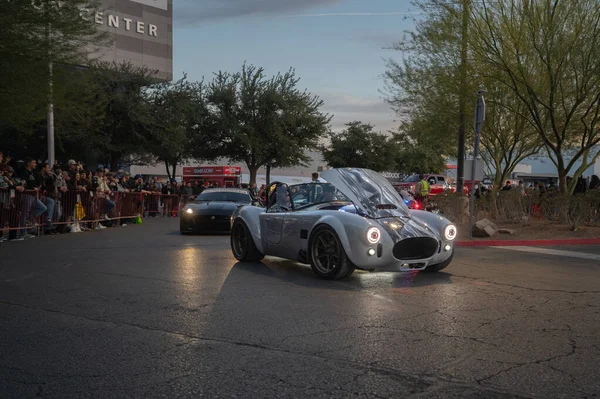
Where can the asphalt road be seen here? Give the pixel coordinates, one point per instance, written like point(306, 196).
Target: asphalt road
point(141, 311)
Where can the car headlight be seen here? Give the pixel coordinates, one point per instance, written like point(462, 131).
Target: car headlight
point(189, 210)
point(450, 232)
point(373, 235)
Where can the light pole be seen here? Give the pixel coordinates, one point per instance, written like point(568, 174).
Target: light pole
point(479, 118)
point(50, 113)
point(50, 116)
point(460, 161)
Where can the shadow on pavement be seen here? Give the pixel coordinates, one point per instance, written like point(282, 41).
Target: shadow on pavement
point(207, 234)
point(302, 275)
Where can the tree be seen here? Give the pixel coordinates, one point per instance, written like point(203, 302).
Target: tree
point(428, 86)
point(546, 53)
point(418, 155)
point(178, 131)
point(34, 34)
point(79, 112)
point(261, 121)
point(358, 146)
point(127, 113)
point(508, 137)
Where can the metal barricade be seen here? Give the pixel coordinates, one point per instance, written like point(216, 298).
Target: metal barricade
point(170, 205)
point(25, 212)
point(73, 210)
point(132, 205)
point(21, 213)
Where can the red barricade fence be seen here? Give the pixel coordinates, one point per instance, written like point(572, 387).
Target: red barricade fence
point(23, 212)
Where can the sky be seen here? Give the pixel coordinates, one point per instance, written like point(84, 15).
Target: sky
point(335, 46)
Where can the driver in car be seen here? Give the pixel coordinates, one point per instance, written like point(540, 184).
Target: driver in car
point(279, 200)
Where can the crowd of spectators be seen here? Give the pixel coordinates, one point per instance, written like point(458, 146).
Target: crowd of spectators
point(582, 186)
point(31, 189)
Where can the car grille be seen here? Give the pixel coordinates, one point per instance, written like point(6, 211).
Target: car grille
point(415, 248)
point(209, 222)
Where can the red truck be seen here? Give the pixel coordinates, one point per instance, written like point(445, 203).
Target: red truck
point(437, 184)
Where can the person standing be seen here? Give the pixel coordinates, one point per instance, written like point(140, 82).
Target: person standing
point(30, 201)
point(422, 189)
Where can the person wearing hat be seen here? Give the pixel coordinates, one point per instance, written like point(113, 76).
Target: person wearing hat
point(59, 179)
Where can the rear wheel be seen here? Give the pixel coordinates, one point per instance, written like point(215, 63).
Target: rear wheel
point(440, 266)
point(242, 243)
point(328, 259)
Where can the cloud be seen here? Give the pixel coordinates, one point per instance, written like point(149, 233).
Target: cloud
point(349, 107)
point(192, 11)
point(354, 14)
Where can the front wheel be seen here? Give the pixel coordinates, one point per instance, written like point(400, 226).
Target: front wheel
point(440, 266)
point(328, 259)
point(242, 243)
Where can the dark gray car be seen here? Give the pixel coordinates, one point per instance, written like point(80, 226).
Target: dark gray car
point(211, 211)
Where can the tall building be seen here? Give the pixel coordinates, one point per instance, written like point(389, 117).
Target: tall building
point(141, 32)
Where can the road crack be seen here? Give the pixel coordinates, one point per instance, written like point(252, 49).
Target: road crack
point(420, 378)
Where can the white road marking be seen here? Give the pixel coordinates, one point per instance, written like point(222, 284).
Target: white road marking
point(556, 252)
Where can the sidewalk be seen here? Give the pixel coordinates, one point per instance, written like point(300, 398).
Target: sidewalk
point(527, 243)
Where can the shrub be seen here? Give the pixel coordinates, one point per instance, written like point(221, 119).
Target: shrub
point(452, 206)
point(514, 207)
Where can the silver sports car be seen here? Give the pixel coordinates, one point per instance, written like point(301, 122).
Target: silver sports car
point(355, 220)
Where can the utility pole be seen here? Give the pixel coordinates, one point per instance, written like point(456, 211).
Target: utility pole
point(460, 164)
point(479, 118)
point(50, 114)
point(50, 117)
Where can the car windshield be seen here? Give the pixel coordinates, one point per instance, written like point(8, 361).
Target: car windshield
point(412, 179)
point(307, 194)
point(225, 196)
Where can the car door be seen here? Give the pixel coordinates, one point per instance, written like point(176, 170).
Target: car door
point(271, 221)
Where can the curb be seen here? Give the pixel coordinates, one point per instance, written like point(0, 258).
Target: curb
point(528, 243)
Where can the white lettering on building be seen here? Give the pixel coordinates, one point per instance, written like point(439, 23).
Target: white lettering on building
point(113, 21)
point(127, 23)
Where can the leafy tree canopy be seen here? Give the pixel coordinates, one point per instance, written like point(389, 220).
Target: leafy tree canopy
point(264, 121)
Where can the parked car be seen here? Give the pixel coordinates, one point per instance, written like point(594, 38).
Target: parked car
point(211, 210)
point(355, 220)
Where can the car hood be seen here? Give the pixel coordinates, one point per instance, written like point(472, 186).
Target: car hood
point(214, 206)
point(368, 190)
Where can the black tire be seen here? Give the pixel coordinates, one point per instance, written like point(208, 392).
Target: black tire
point(242, 243)
point(440, 266)
point(325, 245)
point(183, 228)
